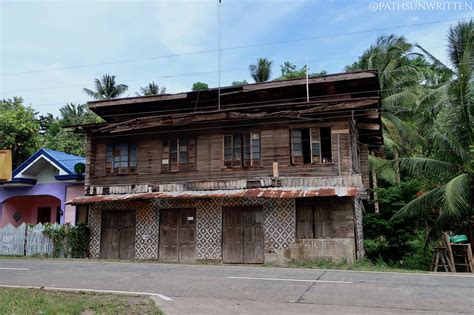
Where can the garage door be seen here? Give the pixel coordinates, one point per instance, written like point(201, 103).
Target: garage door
point(178, 235)
point(243, 235)
point(118, 235)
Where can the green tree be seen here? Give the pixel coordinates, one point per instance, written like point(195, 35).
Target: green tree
point(450, 112)
point(55, 135)
point(106, 88)
point(151, 89)
point(199, 86)
point(238, 83)
point(18, 129)
point(261, 71)
point(290, 71)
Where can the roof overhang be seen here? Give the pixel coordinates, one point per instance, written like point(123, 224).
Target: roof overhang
point(19, 182)
point(70, 178)
point(253, 193)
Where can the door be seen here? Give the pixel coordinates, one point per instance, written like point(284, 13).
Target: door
point(44, 215)
point(118, 235)
point(178, 235)
point(243, 235)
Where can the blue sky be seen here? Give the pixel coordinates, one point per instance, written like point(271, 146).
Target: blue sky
point(37, 35)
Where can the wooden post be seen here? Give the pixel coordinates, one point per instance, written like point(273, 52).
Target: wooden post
point(374, 186)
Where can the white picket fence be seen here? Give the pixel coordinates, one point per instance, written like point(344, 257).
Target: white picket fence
point(24, 240)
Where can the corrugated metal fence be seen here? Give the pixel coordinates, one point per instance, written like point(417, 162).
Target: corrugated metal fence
point(24, 240)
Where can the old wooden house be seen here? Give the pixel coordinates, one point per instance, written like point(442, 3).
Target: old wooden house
point(271, 172)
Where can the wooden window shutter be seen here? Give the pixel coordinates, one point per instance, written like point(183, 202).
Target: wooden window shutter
point(256, 149)
point(192, 153)
point(246, 159)
point(109, 159)
point(174, 166)
point(304, 221)
point(315, 145)
point(165, 156)
point(228, 152)
point(322, 220)
point(296, 146)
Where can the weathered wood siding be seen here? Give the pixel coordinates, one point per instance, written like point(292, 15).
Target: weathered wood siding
point(275, 144)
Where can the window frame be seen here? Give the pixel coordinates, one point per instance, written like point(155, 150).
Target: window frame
point(298, 159)
point(248, 151)
point(173, 153)
point(115, 150)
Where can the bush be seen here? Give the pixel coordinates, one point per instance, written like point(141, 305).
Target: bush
point(398, 243)
point(69, 240)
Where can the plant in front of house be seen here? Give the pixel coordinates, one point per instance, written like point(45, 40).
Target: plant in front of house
point(71, 241)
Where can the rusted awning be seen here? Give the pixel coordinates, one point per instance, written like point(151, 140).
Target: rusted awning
point(269, 193)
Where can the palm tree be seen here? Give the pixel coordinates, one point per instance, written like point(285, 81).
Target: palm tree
point(72, 114)
point(151, 89)
point(106, 88)
point(400, 73)
point(261, 72)
point(450, 110)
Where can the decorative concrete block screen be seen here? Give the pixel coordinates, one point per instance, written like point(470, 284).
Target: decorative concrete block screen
point(279, 224)
point(24, 240)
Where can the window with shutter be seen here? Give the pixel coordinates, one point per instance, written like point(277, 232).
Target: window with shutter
point(242, 150)
point(121, 159)
point(326, 145)
point(311, 145)
point(178, 155)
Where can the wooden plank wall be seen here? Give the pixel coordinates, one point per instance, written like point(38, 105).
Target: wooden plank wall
point(210, 165)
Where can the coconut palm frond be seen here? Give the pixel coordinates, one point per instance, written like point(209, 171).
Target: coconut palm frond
point(106, 88)
point(422, 206)
point(261, 71)
point(434, 60)
point(425, 167)
point(406, 132)
point(92, 93)
point(457, 197)
point(378, 165)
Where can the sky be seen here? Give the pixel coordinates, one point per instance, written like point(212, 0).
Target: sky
point(51, 50)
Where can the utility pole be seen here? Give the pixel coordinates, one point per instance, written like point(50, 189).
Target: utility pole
point(219, 55)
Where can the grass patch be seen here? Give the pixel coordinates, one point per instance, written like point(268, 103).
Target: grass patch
point(359, 265)
point(37, 301)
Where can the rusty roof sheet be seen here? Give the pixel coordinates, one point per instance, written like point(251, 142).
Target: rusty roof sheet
point(280, 193)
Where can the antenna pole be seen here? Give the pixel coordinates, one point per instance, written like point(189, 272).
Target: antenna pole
point(219, 55)
point(307, 81)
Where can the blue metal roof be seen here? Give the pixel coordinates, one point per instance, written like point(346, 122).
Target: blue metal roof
point(64, 160)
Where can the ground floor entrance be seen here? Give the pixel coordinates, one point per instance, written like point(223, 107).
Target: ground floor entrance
point(234, 231)
point(118, 234)
point(243, 235)
point(178, 235)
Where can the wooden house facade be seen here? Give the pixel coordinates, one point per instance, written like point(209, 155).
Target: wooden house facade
point(271, 172)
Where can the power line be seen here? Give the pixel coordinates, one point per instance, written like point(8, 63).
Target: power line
point(195, 73)
point(237, 47)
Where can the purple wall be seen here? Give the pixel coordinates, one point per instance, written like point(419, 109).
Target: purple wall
point(57, 190)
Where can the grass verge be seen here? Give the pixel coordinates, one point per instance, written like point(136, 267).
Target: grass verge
point(359, 265)
point(36, 301)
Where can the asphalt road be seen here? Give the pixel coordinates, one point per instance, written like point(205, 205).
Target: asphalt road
point(198, 289)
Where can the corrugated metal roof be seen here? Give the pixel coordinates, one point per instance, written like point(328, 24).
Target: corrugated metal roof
point(283, 193)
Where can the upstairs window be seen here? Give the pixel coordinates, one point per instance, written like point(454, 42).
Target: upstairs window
point(178, 155)
point(121, 159)
point(242, 150)
point(311, 145)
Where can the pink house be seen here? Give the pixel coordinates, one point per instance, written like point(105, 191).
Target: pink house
point(40, 188)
